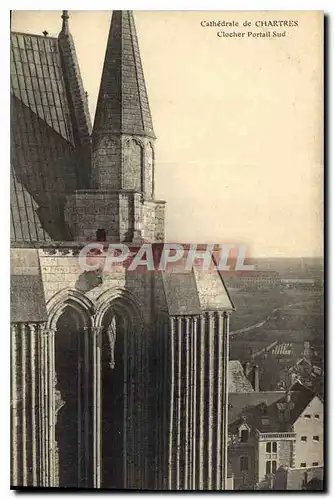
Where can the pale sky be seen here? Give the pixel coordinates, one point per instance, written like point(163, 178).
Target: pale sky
point(239, 122)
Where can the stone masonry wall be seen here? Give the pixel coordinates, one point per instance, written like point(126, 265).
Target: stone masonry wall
point(132, 159)
point(107, 162)
point(123, 162)
point(124, 216)
point(284, 453)
point(153, 221)
point(61, 272)
point(159, 221)
point(88, 211)
point(149, 171)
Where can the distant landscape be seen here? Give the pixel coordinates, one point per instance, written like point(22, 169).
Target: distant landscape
point(290, 315)
point(279, 313)
point(303, 267)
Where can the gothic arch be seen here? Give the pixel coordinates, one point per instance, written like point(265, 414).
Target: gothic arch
point(138, 141)
point(123, 299)
point(123, 360)
point(133, 164)
point(69, 298)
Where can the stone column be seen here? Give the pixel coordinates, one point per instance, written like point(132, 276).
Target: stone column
point(87, 376)
point(220, 409)
point(225, 317)
point(47, 390)
point(201, 400)
point(210, 373)
point(15, 481)
point(34, 402)
point(97, 342)
point(198, 420)
point(171, 448)
point(196, 322)
point(178, 398)
point(186, 397)
point(32, 393)
point(51, 403)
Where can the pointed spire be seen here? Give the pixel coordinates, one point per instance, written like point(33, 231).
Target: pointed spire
point(65, 17)
point(75, 91)
point(122, 106)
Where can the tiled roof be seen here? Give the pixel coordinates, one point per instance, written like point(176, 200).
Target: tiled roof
point(261, 409)
point(300, 400)
point(250, 404)
point(284, 349)
point(122, 105)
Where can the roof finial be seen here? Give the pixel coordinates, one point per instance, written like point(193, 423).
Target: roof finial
point(65, 18)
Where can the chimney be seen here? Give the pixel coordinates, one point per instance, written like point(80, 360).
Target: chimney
point(247, 368)
point(287, 405)
point(307, 350)
point(256, 378)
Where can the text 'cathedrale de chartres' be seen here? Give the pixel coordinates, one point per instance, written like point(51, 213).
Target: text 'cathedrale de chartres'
point(258, 24)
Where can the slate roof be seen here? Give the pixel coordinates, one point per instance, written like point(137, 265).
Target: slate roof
point(43, 157)
point(122, 105)
point(194, 292)
point(181, 293)
point(44, 163)
point(261, 409)
point(37, 80)
point(50, 123)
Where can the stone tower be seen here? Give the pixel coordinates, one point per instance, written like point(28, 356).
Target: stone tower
point(122, 171)
point(119, 379)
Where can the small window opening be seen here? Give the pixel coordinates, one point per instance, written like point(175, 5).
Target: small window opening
point(101, 235)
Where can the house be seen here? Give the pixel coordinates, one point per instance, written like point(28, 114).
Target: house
point(288, 478)
point(271, 430)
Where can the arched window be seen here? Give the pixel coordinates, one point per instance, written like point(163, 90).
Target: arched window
point(268, 447)
point(72, 389)
point(123, 404)
point(268, 467)
point(133, 166)
point(274, 447)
